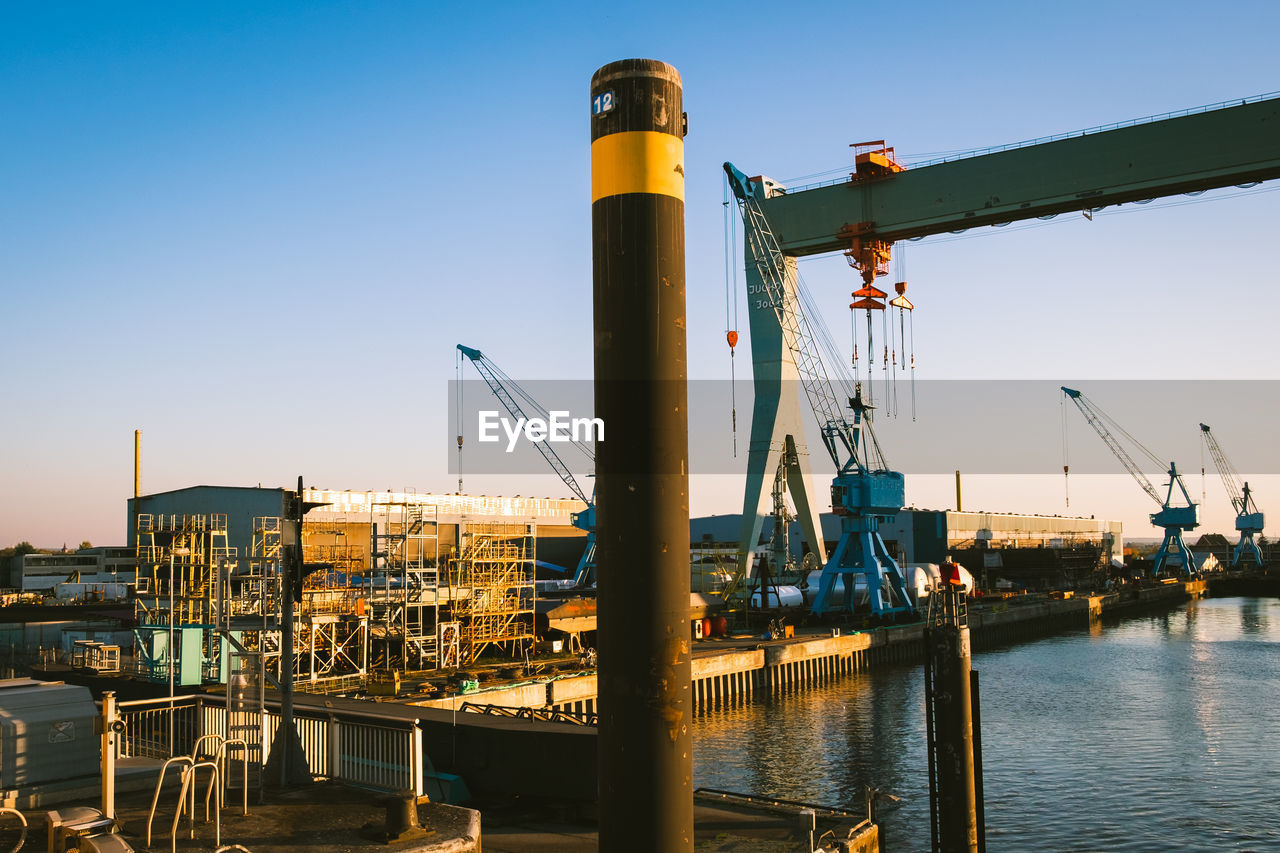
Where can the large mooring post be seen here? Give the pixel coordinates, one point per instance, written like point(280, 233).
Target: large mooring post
point(955, 782)
point(642, 482)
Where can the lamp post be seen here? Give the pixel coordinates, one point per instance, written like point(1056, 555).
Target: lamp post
point(169, 649)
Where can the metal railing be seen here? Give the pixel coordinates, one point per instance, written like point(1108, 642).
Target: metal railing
point(545, 715)
point(366, 749)
point(158, 728)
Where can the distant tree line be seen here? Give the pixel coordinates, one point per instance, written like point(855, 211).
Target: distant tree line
point(25, 547)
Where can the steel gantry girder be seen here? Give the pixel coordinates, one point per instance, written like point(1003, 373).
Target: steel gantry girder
point(1149, 158)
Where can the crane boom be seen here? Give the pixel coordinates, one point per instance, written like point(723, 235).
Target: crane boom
point(1173, 552)
point(1249, 519)
point(1094, 417)
point(503, 387)
point(1230, 477)
point(779, 281)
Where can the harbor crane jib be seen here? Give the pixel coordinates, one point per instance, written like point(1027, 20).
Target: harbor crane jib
point(864, 490)
point(1173, 553)
point(510, 394)
point(1249, 519)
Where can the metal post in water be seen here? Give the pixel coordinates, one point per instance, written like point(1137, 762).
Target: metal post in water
point(954, 783)
point(642, 482)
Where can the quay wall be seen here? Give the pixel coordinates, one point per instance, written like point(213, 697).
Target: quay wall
point(1266, 585)
point(737, 671)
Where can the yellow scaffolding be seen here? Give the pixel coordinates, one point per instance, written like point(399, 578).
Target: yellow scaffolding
point(493, 580)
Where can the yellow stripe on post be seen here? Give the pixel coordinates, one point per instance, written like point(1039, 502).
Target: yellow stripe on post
point(637, 161)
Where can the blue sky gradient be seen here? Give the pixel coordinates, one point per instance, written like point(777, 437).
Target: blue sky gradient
point(257, 230)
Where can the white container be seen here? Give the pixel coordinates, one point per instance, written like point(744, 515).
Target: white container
point(922, 577)
point(814, 582)
point(46, 732)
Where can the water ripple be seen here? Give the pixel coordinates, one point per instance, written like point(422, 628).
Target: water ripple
point(1158, 733)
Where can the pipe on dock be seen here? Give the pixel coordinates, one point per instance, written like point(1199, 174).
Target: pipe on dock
point(642, 482)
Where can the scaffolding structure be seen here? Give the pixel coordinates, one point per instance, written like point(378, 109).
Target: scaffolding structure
point(493, 578)
point(405, 589)
point(331, 625)
point(248, 607)
point(174, 608)
point(391, 603)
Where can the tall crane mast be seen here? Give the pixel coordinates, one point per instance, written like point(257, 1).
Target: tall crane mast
point(864, 490)
point(1249, 519)
point(1173, 553)
point(509, 393)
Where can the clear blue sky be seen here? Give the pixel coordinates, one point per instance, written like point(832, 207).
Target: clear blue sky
point(257, 230)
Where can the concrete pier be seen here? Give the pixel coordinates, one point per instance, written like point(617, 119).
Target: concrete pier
point(738, 669)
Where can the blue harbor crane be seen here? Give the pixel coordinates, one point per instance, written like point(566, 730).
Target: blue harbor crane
point(1248, 517)
point(1173, 553)
point(880, 203)
point(510, 394)
point(864, 490)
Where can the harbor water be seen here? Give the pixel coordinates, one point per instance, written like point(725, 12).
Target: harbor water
point(1151, 733)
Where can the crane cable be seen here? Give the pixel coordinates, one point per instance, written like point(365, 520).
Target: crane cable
point(896, 342)
point(1203, 489)
point(1066, 462)
point(731, 308)
point(458, 411)
point(913, 365)
point(884, 360)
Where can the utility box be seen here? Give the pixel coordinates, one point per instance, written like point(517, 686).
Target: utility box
point(46, 732)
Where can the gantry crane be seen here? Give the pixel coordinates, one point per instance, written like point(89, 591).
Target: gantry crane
point(864, 490)
point(1227, 144)
point(1173, 553)
point(507, 390)
point(1249, 518)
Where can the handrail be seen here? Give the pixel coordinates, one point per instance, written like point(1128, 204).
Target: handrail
point(223, 761)
point(163, 701)
point(22, 839)
point(155, 798)
point(188, 783)
point(195, 750)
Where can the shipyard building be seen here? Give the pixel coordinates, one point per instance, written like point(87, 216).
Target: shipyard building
point(387, 582)
point(1028, 551)
point(98, 569)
